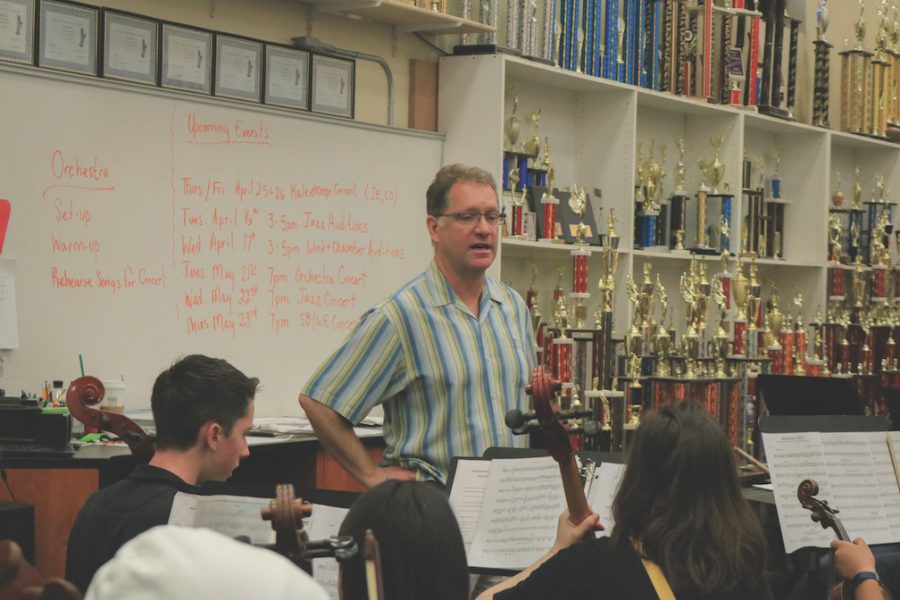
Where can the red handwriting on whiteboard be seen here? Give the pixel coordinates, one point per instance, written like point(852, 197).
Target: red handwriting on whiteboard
point(77, 169)
point(217, 132)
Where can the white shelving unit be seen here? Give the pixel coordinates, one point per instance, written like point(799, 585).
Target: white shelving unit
point(594, 126)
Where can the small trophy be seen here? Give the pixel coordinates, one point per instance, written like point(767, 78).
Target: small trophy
point(838, 197)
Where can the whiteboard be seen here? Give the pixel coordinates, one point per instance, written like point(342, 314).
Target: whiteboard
point(147, 225)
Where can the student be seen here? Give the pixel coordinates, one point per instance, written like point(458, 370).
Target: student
point(183, 563)
point(680, 503)
point(856, 563)
point(422, 552)
point(447, 355)
point(202, 409)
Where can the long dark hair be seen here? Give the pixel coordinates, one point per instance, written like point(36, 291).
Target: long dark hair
point(680, 499)
point(422, 551)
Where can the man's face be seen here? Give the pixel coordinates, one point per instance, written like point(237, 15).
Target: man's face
point(232, 447)
point(467, 249)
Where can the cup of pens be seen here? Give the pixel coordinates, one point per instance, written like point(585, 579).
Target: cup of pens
point(114, 398)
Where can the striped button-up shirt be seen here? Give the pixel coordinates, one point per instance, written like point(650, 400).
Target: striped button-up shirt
point(445, 378)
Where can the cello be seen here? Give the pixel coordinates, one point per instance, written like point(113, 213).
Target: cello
point(83, 399)
point(826, 516)
point(556, 438)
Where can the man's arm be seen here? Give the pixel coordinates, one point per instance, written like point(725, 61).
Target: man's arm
point(337, 437)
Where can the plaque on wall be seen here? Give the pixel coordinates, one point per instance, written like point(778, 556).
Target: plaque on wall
point(287, 77)
point(17, 31)
point(186, 58)
point(238, 68)
point(130, 47)
point(67, 38)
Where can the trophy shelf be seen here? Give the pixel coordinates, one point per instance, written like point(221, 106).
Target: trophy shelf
point(516, 248)
point(406, 18)
point(852, 141)
point(522, 69)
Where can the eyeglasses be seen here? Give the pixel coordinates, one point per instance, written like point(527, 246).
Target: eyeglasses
point(492, 217)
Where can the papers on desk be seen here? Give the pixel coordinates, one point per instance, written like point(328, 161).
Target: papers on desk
point(229, 515)
point(370, 426)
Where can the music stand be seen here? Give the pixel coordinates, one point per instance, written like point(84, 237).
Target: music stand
point(785, 395)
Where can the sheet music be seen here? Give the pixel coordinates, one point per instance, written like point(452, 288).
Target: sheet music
point(470, 483)
point(792, 458)
point(603, 492)
point(324, 522)
point(863, 484)
point(229, 515)
point(518, 518)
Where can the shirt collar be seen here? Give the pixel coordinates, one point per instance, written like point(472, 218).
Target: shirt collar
point(442, 294)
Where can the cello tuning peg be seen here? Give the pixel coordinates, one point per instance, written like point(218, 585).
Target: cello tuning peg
point(517, 420)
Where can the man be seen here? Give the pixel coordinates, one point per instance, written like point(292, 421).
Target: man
point(447, 355)
point(202, 409)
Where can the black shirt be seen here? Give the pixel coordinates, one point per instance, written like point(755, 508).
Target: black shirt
point(598, 569)
point(116, 514)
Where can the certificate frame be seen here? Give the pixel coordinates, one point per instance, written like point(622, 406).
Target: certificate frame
point(122, 58)
point(186, 58)
point(60, 45)
point(17, 39)
point(239, 68)
point(333, 87)
point(284, 87)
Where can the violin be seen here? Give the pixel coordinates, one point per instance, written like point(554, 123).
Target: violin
point(83, 399)
point(557, 441)
point(286, 514)
point(826, 516)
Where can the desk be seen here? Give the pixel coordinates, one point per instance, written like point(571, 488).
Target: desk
point(58, 487)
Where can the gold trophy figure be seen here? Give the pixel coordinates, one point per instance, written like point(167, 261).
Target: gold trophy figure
point(680, 168)
point(857, 190)
point(834, 238)
point(838, 197)
point(859, 283)
point(717, 168)
point(532, 146)
point(690, 340)
point(878, 193)
point(609, 263)
point(720, 337)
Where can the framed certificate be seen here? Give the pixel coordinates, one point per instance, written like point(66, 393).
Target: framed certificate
point(130, 47)
point(332, 85)
point(287, 77)
point(186, 62)
point(67, 38)
point(17, 31)
point(238, 68)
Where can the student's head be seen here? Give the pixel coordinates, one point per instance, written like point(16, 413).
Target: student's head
point(422, 552)
point(185, 563)
point(463, 219)
point(206, 401)
point(680, 498)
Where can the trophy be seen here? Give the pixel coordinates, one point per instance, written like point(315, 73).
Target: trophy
point(778, 95)
point(678, 203)
point(775, 324)
point(720, 337)
point(822, 67)
point(549, 203)
point(740, 289)
point(580, 256)
point(609, 253)
point(838, 197)
point(775, 154)
point(663, 341)
point(855, 82)
point(690, 341)
point(880, 79)
point(487, 13)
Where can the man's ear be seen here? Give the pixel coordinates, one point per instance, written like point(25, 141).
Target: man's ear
point(211, 435)
point(431, 223)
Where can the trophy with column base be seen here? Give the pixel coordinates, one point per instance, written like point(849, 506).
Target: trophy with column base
point(778, 89)
point(855, 83)
point(822, 67)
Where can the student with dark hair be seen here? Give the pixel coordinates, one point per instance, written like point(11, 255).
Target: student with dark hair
point(679, 511)
point(202, 409)
point(422, 552)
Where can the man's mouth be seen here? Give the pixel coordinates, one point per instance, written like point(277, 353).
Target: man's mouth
point(480, 247)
